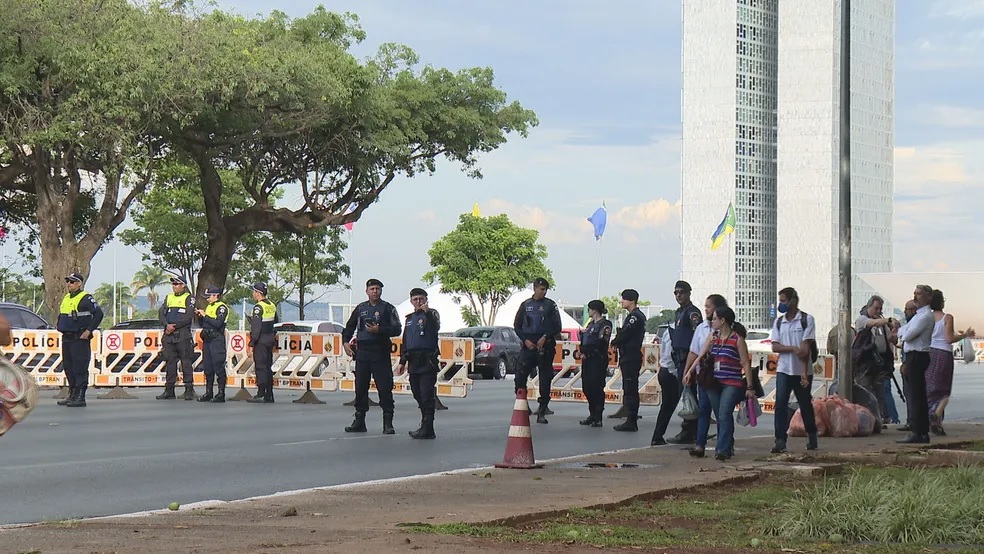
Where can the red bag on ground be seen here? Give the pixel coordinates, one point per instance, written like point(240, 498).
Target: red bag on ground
point(820, 415)
point(866, 421)
point(843, 419)
point(796, 426)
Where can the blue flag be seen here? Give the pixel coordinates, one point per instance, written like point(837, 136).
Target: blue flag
point(598, 220)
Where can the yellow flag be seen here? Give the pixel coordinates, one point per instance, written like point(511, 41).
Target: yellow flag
point(475, 211)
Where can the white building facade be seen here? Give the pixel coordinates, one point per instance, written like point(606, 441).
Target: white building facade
point(760, 109)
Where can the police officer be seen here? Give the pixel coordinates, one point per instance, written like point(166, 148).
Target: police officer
point(78, 317)
point(420, 353)
point(367, 339)
point(685, 322)
point(176, 314)
point(629, 342)
point(594, 361)
point(537, 323)
point(261, 339)
point(213, 320)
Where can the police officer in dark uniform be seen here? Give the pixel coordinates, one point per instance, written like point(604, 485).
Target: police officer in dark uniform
point(78, 317)
point(594, 361)
point(367, 339)
point(537, 323)
point(261, 339)
point(686, 321)
point(629, 342)
point(176, 314)
point(420, 353)
point(213, 320)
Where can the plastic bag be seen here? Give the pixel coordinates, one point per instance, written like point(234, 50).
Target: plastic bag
point(821, 417)
point(688, 405)
point(969, 354)
point(796, 426)
point(866, 421)
point(843, 419)
point(748, 413)
point(742, 417)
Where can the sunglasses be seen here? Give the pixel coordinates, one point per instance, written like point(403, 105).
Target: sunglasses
point(679, 292)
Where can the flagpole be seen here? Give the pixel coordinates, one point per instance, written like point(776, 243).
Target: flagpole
point(351, 273)
point(598, 295)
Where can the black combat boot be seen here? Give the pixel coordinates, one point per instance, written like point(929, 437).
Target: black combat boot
point(71, 395)
point(541, 414)
point(428, 426)
point(358, 425)
point(79, 400)
point(388, 425)
point(685, 436)
point(219, 398)
point(207, 397)
point(168, 393)
point(263, 395)
point(420, 430)
point(631, 424)
point(189, 393)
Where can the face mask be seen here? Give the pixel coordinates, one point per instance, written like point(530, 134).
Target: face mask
point(783, 307)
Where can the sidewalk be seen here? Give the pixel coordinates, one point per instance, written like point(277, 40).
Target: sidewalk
point(353, 518)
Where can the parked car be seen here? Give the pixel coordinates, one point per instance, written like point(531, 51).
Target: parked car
point(758, 341)
point(496, 350)
point(295, 367)
point(21, 317)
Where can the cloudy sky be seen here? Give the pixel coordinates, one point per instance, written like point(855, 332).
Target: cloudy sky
point(604, 79)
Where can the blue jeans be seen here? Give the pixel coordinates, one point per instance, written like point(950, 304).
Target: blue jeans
point(893, 412)
point(787, 385)
point(722, 403)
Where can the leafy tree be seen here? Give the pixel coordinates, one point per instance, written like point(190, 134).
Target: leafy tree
point(20, 290)
point(123, 299)
point(614, 305)
point(486, 260)
point(149, 278)
point(665, 317)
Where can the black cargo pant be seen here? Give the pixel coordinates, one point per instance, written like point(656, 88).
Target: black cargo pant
point(214, 362)
point(542, 360)
point(916, 364)
point(263, 361)
point(372, 366)
point(594, 371)
point(423, 379)
point(76, 354)
point(630, 367)
point(174, 351)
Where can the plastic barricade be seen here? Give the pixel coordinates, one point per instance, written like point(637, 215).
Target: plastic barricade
point(824, 373)
point(134, 359)
point(566, 382)
point(40, 353)
point(456, 360)
point(301, 361)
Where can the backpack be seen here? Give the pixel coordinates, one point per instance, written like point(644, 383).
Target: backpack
point(814, 351)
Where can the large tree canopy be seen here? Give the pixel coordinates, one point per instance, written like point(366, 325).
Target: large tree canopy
point(486, 260)
point(94, 95)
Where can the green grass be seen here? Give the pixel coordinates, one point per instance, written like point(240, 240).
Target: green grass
point(876, 511)
point(976, 446)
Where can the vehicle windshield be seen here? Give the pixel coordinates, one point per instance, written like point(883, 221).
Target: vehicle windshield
point(757, 335)
point(291, 328)
point(474, 333)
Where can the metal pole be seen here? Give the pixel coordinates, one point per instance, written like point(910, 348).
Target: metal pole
point(845, 373)
point(599, 266)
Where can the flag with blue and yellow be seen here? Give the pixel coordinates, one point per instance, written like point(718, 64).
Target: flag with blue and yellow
point(726, 227)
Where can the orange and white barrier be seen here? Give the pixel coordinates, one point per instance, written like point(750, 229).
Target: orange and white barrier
point(456, 360)
point(824, 373)
point(39, 352)
point(568, 358)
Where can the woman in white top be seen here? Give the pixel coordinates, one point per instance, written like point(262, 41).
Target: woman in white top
point(939, 375)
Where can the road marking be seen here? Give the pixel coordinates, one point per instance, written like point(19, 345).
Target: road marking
point(300, 442)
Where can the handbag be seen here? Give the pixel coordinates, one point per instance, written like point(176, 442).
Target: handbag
point(18, 394)
point(705, 377)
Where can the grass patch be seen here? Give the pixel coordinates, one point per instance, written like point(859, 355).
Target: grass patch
point(976, 446)
point(918, 506)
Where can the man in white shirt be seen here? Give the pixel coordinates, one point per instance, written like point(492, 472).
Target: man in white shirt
point(794, 337)
point(916, 335)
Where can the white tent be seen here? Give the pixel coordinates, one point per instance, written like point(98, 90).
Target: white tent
point(450, 311)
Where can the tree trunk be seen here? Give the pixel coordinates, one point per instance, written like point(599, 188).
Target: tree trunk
point(215, 270)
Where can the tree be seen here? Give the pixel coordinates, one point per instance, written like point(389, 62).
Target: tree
point(284, 103)
point(149, 278)
point(104, 295)
point(486, 260)
point(614, 305)
point(83, 86)
point(665, 317)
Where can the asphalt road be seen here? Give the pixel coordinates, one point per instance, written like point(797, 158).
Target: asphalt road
point(120, 456)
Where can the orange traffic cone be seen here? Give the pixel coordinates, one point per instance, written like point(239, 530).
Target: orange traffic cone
point(519, 444)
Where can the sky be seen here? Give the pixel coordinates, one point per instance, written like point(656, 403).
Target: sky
point(604, 80)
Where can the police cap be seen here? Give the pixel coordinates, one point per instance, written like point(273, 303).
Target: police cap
point(631, 295)
point(260, 288)
point(598, 306)
point(417, 291)
point(541, 282)
point(74, 277)
point(213, 290)
point(683, 285)
point(178, 280)
point(374, 283)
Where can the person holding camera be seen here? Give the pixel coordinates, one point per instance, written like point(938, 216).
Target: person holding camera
point(872, 357)
point(213, 320)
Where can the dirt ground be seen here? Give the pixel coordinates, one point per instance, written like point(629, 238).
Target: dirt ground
point(369, 517)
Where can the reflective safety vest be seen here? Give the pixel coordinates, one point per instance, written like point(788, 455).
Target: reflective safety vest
point(269, 315)
point(212, 310)
point(70, 319)
point(70, 305)
point(177, 301)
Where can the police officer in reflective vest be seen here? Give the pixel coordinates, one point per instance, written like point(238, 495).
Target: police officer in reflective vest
point(261, 339)
point(537, 323)
point(686, 320)
point(594, 361)
point(176, 314)
point(213, 320)
point(629, 341)
point(367, 337)
point(420, 354)
point(78, 317)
